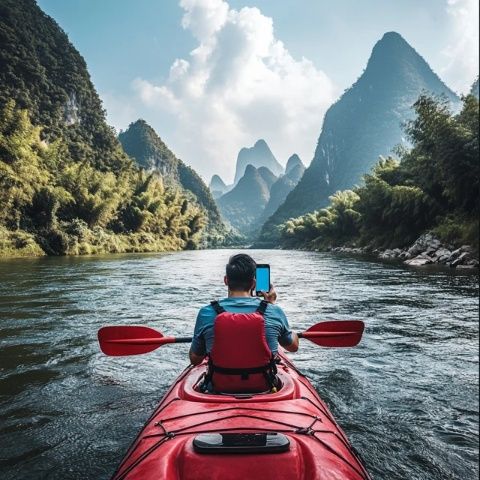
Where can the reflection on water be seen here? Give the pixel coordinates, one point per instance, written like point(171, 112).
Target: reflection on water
point(407, 396)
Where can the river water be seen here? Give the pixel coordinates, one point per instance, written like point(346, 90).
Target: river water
point(407, 396)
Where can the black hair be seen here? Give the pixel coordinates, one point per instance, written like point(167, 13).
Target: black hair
point(240, 272)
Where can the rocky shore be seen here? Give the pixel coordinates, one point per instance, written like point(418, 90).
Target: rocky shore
point(427, 250)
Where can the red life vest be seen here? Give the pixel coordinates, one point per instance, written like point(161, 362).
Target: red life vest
point(240, 359)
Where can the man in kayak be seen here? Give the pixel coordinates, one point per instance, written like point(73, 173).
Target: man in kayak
point(240, 334)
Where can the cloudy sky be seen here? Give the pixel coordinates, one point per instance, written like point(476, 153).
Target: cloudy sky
point(212, 76)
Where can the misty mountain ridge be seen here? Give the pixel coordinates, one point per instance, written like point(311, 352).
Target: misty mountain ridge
point(268, 177)
point(217, 186)
point(363, 124)
point(258, 194)
point(283, 186)
point(292, 162)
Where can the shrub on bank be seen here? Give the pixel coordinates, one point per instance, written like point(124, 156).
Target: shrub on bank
point(18, 244)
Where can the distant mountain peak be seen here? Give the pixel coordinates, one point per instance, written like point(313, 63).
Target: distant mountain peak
point(217, 186)
point(259, 155)
point(392, 50)
point(216, 182)
point(391, 37)
point(391, 42)
point(141, 142)
point(292, 162)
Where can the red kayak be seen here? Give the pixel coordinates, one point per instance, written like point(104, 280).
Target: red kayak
point(286, 435)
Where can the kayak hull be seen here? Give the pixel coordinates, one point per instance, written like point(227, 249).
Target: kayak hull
point(318, 449)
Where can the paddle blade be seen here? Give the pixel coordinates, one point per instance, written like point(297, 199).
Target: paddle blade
point(130, 340)
point(344, 333)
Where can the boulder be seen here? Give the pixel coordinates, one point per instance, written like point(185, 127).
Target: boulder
point(425, 243)
point(443, 251)
point(419, 260)
point(455, 254)
point(462, 259)
point(390, 254)
point(442, 255)
point(442, 259)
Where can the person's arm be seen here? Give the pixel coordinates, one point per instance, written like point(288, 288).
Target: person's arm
point(194, 358)
point(198, 348)
point(292, 347)
point(288, 339)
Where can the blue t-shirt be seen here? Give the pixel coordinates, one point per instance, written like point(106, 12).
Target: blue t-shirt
point(277, 329)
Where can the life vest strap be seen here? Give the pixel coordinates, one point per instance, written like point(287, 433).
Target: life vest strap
point(262, 307)
point(217, 307)
point(269, 370)
point(240, 371)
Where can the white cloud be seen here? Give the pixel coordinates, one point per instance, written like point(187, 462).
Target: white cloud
point(239, 84)
point(461, 54)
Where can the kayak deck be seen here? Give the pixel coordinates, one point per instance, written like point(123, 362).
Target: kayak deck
point(318, 448)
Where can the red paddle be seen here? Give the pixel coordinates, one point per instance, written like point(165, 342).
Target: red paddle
point(345, 333)
point(134, 340)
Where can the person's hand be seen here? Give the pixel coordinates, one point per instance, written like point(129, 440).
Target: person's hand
point(270, 296)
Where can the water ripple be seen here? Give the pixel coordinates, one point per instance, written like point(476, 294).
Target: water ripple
point(407, 396)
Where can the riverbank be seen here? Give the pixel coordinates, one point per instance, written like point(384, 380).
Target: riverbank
point(80, 240)
point(19, 243)
point(426, 250)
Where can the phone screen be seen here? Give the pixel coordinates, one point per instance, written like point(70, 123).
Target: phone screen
point(263, 278)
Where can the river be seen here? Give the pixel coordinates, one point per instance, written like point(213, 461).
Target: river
point(407, 396)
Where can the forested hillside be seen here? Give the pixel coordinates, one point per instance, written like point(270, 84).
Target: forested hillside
point(433, 186)
point(66, 186)
point(141, 142)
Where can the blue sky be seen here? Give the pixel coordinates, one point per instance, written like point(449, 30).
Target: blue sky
point(277, 64)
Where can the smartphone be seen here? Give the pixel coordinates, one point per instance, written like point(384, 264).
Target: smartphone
point(262, 276)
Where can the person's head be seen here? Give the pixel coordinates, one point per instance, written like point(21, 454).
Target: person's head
point(240, 273)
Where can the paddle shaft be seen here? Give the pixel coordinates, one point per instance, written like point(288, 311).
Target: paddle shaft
point(151, 341)
point(166, 340)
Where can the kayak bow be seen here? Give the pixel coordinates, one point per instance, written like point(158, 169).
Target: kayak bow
point(287, 435)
